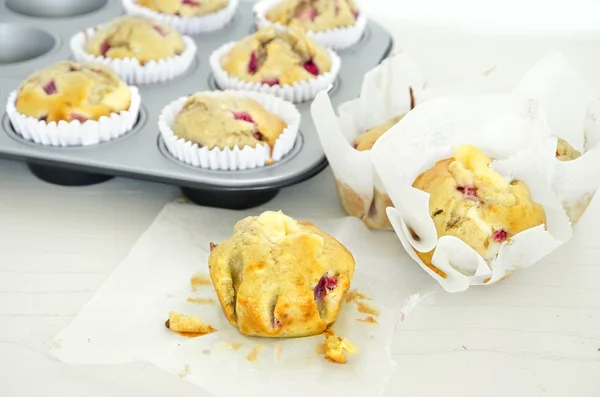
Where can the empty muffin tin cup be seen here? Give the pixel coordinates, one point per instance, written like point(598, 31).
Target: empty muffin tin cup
point(56, 8)
point(66, 177)
point(20, 43)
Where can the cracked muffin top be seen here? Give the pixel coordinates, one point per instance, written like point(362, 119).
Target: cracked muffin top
point(227, 121)
point(315, 15)
point(184, 8)
point(367, 139)
point(565, 152)
point(274, 57)
point(276, 277)
point(471, 201)
point(69, 91)
point(135, 37)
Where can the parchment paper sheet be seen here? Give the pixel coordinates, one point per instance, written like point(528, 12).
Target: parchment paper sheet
point(124, 321)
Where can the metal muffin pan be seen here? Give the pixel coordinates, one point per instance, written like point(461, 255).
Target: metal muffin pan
point(35, 34)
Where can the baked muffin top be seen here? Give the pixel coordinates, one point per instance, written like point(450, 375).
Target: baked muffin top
point(277, 277)
point(565, 152)
point(367, 139)
point(273, 57)
point(69, 91)
point(471, 201)
point(135, 37)
point(315, 15)
point(184, 8)
point(227, 121)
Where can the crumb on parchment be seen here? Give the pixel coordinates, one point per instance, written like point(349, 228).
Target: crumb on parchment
point(254, 353)
point(199, 280)
point(368, 319)
point(337, 347)
point(201, 301)
point(188, 326)
point(185, 372)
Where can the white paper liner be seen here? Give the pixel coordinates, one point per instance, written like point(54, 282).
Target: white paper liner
point(124, 320)
point(231, 158)
point(337, 38)
point(129, 69)
point(196, 25)
point(384, 94)
point(75, 133)
point(570, 107)
point(298, 92)
point(507, 129)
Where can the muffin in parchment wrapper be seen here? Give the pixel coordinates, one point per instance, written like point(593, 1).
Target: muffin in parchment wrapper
point(389, 91)
point(510, 131)
point(572, 110)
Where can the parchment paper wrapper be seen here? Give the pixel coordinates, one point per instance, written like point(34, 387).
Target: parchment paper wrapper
point(507, 129)
point(572, 110)
point(232, 158)
point(385, 94)
point(124, 321)
point(129, 69)
point(337, 38)
point(298, 92)
point(75, 133)
point(202, 24)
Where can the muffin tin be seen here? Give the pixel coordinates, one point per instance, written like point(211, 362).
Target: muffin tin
point(34, 34)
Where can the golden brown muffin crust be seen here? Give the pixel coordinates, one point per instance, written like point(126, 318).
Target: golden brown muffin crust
point(184, 8)
point(471, 201)
point(69, 91)
point(136, 37)
point(276, 277)
point(273, 57)
point(367, 139)
point(220, 121)
point(315, 15)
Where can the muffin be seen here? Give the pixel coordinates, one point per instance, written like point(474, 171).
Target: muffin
point(276, 277)
point(314, 15)
point(367, 139)
point(137, 38)
point(476, 204)
point(184, 8)
point(354, 203)
point(69, 91)
point(227, 121)
point(375, 217)
point(276, 57)
point(565, 152)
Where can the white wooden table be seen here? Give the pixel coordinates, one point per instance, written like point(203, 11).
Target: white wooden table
point(537, 334)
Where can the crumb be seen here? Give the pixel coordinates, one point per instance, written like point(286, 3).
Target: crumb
point(236, 346)
point(368, 319)
point(354, 295)
point(201, 301)
point(199, 280)
point(464, 347)
point(187, 326)
point(321, 348)
point(269, 162)
point(366, 309)
point(89, 340)
point(254, 353)
point(185, 372)
point(206, 352)
point(337, 347)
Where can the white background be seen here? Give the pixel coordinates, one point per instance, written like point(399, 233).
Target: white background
point(537, 334)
